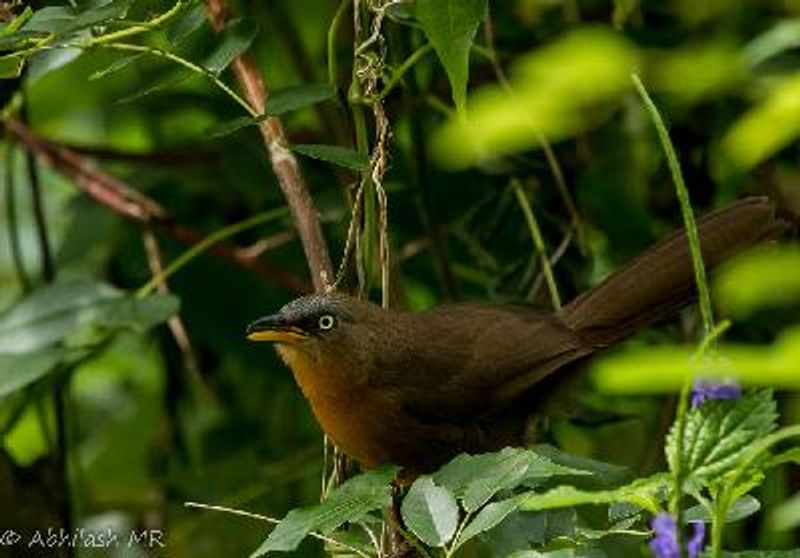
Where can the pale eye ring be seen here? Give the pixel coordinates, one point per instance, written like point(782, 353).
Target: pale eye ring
point(326, 322)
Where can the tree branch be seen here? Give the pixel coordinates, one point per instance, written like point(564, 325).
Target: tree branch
point(135, 206)
point(284, 164)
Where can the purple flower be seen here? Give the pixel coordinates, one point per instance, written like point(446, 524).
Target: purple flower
point(695, 543)
point(703, 391)
point(665, 541)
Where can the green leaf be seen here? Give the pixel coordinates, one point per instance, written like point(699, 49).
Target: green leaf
point(73, 311)
point(786, 515)
point(766, 128)
point(43, 63)
point(430, 511)
point(116, 66)
point(350, 502)
point(555, 92)
point(342, 156)
point(474, 479)
point(741, 508)
point(185, 25)
point(20, 370)
point(719, 433)
point(296, 97)
point(64, 21)
point(235, 40)
point(645, 493)
point(488, 518)
point(11, 66)
point(763, 278)
point(785, 35)
point(16, 24)
point(450, 26)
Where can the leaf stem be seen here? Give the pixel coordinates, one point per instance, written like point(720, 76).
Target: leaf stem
point(189, 66)
point(333, 63)
point(401, 70)
point(217, 236)
point(538, 242)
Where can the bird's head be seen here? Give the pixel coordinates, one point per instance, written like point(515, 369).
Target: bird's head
point(319, 332)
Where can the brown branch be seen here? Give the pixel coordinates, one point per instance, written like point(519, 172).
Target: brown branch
point(135, 206)
point(284, 163)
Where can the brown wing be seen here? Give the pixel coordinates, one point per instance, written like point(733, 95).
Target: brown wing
point(465, 361)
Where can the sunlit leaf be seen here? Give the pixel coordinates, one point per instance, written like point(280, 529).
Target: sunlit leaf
point(765, 278)
point(431, 512)
point(350, 502)
point(699, 71)
point(554, 89)
point(288, 99)
point(665, 368)
point(787, 514)
point(234, 40)
point(766, 128)
point(49, 61)
point(450, 26)
point(20, 370)
point(342, 156)
point(645, 493)
point(719, 433)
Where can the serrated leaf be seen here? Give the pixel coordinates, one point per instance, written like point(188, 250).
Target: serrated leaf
point(474, 479)
point(350, 502)
point(235, 40)
point(20, 370)
point(185, 25)
point(645, 493)
point(741, 508)
point(430, 511)
point(342, 156)
point(11, 66)
point(66, 312)
point(296, 97)
point(488, 518)
point(719, 433)
point(450, 26)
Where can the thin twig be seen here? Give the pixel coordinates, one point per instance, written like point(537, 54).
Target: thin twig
point(538, 243)
point(127, 202)
point(272, 520)
point(284, 163)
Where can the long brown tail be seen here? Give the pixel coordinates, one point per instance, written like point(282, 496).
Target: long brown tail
point(659, 282)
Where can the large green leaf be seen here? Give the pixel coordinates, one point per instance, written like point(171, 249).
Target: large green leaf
point(20, 370)
point(350, 502)
point(450, 26)
point(474, 479)
point(75, 312)
point(719, 433)
point(431, 512)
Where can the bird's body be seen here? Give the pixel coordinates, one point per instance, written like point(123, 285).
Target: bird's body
point(415, 389)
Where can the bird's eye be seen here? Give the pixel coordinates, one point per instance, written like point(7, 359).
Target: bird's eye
point(326, 321)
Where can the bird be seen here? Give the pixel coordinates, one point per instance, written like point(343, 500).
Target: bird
point(415, 389)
